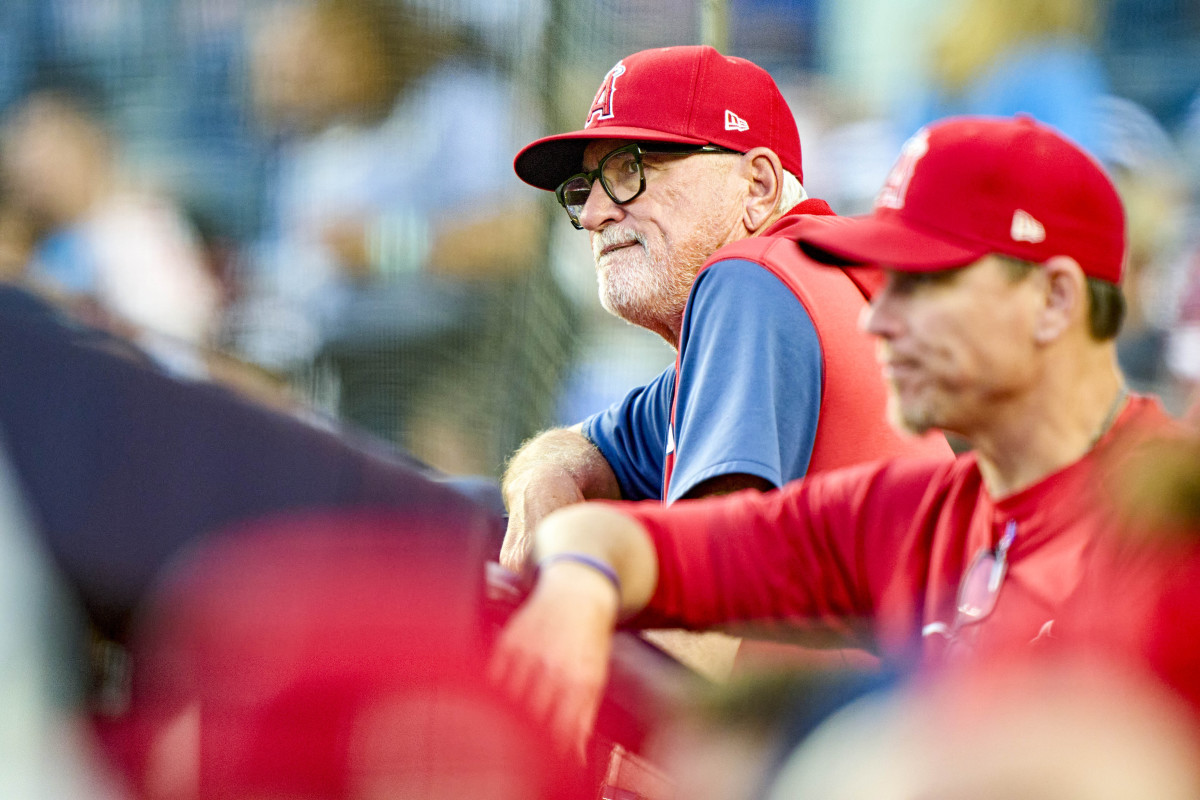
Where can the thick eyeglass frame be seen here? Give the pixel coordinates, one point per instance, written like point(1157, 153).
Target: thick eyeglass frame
point(638, 149)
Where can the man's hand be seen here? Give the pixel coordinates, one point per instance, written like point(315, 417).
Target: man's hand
point(553, 655)
point(557, 468)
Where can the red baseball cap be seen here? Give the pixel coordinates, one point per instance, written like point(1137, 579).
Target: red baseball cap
point(688, 95)
point(965, 187)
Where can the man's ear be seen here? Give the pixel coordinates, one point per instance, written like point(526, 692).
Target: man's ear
point(763, 173)
point(1065, 301)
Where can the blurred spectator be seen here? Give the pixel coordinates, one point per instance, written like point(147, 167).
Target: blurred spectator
point(1060, 732)
point(1001, 57)
point(1189, 138)
point(1183, 342)
point(165, 74)
point(1051, 730)
point(16, 237)
point(1148, 170)
point(391, 238)
point(125, 250)
point(121, 470)
point(1150, 52)
point(729, 740)
point(988, 57)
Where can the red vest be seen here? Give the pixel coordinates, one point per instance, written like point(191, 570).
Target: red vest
point(853, 427)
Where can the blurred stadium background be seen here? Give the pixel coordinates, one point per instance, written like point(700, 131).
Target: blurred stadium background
point(459, 358)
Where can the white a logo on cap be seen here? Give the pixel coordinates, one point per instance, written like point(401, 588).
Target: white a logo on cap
point(1026, 229)
point(896, 187)
point(602, 104)
point(735, 123)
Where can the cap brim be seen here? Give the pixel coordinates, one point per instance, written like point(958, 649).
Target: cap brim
point(549, 161)
point(888, 243)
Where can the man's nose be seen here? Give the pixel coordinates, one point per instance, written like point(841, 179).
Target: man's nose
point(599, 209)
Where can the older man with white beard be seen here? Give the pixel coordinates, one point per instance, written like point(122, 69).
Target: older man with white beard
point(687, 178)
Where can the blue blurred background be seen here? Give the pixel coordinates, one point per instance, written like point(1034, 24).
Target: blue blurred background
point(321, 190)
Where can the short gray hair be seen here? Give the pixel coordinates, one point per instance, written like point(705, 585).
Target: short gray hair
point(791, 194)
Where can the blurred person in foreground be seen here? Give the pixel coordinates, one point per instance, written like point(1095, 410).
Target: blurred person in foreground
point(335, 655)
point(125, 465)
point(1003, 246)
point(1047, 729)
point(47, 749)
point(729, 740)
point(1044, 732)
point(112, 470)
point(687, 178)
point(114, 477)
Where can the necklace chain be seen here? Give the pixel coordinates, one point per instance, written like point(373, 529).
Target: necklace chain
point(1111, 416)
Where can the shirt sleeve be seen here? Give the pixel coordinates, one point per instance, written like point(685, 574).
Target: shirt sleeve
point(818, 556)
point(749, 381)
point(632, 436)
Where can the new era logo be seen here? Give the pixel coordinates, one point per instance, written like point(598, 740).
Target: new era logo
point(1026, 229)
point(735, 123)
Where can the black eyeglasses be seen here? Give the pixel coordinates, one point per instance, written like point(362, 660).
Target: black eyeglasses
point(621, 174)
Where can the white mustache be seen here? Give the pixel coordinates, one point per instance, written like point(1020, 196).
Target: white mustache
point(614, 237)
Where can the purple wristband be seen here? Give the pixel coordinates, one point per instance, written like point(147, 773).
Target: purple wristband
point(588, 561)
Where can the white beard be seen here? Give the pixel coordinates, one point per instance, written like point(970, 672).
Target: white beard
point(645, 288)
